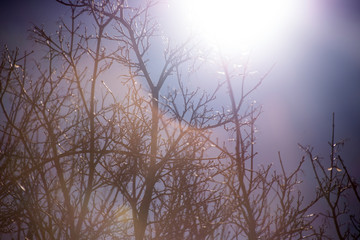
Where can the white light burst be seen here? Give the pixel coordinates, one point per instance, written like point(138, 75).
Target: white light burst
point(241, 23)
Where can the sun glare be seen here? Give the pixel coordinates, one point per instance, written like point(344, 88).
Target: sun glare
point(240, 24)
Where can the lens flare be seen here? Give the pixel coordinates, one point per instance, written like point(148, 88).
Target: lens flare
point(241, 24)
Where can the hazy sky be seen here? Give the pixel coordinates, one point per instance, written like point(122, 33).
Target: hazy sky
point(317, 74)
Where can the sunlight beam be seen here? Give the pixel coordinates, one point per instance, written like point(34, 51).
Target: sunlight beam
point(240, 24)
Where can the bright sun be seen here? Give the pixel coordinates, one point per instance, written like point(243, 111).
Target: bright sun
point(241, 24)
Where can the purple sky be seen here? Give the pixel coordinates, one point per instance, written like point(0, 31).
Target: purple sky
point(320, 74)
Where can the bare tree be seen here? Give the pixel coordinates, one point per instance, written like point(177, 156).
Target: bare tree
point(102, 137)
point(92, 162)
point(264, 203)
point(338, 191)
